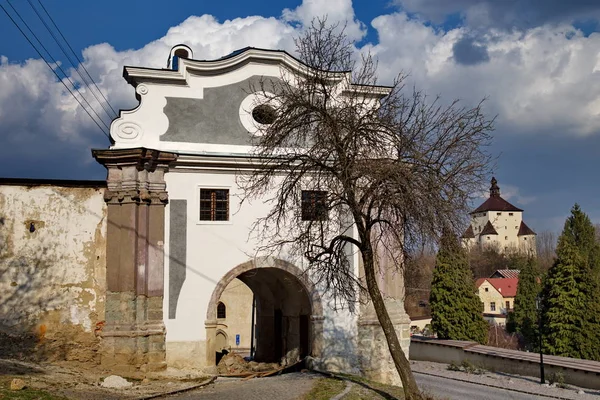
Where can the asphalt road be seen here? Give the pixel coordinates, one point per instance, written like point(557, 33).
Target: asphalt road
point(444, 388)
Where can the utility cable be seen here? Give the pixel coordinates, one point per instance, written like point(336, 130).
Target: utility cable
point(55, 62)
point(115, 114)
point(53, 70)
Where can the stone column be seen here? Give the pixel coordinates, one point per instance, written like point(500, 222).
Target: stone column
point(376, 361)
point(133, 338)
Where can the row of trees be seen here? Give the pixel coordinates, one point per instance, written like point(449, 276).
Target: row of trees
point(566, 298)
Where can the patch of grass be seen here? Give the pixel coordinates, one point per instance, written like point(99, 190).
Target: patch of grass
point(24, 394)
point(558, 378)
point(471, 368)
point(364, 389)
point(361, 389)
point(325, 389)
point(454, 367)
point(28, 394)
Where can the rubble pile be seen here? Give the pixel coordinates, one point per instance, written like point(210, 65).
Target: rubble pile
point(232, 364)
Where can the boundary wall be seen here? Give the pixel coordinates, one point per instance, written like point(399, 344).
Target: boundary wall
point(583, 373)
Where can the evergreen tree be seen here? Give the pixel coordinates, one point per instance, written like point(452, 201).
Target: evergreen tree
point(456, 311)
point(571, 292)
point(564, 303)
point(524, 318)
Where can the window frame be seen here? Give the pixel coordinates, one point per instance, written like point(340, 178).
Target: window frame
point(314, 211)
point(199, 189)
point(219, 304)
point(492, 306)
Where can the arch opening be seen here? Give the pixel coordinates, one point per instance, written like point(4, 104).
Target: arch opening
point(286, 318)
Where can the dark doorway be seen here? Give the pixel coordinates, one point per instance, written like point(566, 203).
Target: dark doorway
point(278, 335)
point(304, 336)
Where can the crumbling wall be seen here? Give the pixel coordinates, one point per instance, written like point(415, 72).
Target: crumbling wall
point(52, 270)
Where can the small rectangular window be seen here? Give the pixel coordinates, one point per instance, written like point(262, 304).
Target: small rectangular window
point(314, 205)
point(214, 204)
point(505, 237)
point(507, 305)
point(487, 289)
point(499, 213)
point(493, 306)
point(516, 227)
point(510, 214)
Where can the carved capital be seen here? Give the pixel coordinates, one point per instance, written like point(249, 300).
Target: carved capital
point(135, 175)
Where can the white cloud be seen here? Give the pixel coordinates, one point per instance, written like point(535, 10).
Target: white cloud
point(336, 11)
point(541, 79)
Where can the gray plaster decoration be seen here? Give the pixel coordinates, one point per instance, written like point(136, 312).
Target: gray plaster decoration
point(215, 119)
point(177, 251)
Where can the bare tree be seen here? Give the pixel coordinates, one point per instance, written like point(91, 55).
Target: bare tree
point(356, 166)
point(418, 274)
point(546, 249)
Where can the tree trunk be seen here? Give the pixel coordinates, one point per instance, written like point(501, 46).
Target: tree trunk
point(411, 390)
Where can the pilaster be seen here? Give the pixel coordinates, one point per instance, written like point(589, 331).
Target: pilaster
point(134, 334)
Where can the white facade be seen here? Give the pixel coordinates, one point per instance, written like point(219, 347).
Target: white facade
point(203, 113)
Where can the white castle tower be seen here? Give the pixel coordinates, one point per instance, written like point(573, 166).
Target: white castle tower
point(498, 223)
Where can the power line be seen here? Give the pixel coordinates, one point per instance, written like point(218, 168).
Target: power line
point(57, 66)
point(76, 56)
point(52, 69)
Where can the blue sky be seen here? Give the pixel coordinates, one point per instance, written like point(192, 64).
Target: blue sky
point(537, 62)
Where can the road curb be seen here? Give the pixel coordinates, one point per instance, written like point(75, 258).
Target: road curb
point(494, 386)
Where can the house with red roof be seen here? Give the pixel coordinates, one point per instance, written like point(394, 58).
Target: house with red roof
point(498, 223)
point(498, 297)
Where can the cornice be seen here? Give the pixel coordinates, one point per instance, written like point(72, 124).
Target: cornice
point(140, 156)
point(137, 75)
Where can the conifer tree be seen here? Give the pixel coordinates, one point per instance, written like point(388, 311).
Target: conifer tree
point(571, 292)
point(456, 311)
point(564, 303)
point(524, 318)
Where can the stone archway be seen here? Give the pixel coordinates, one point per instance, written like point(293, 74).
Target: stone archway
point(289, 312)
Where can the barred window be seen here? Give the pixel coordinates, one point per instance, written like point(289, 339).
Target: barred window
point(214, 204)
point(221, 310)
point(314, 205)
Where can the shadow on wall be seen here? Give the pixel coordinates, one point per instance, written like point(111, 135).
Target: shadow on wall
point(339, 352)
point(30, 298)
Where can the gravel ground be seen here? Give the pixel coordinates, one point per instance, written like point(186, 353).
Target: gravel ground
point(502, 380)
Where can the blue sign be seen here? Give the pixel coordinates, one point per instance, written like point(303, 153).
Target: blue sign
point(237, 340)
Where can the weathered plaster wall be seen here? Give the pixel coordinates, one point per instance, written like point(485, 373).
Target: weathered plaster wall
point(237, 298)
point(52, 269)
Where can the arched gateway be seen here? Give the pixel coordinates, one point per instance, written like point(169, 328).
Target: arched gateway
point(289, 312)
point(177, 226)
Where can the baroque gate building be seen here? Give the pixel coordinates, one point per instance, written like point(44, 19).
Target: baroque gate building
point(178, 234)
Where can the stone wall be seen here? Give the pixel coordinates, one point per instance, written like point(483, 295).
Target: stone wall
point(52, 269)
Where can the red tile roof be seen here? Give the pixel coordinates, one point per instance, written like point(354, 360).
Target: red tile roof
point(525, 230)
point(506, 286)
point(495, 202)
point(488, 229)
point(469, 234)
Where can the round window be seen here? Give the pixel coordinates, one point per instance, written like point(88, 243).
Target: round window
point(264, 114)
